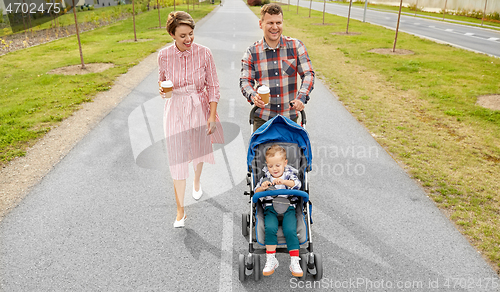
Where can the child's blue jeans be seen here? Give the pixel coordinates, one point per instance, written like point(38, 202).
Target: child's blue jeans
point(289, 227)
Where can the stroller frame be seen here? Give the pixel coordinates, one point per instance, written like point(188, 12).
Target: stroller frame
point(311, 263)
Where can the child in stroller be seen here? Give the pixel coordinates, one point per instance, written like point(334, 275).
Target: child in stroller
point(279, 175)
point(295, 140)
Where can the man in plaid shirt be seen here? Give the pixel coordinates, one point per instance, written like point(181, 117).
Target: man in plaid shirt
point(276, 61)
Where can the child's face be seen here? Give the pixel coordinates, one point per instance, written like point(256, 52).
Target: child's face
point(276, 165)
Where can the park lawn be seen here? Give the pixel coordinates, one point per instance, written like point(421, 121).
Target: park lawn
point(97, 15)
point(32, 101)
point(422, 109)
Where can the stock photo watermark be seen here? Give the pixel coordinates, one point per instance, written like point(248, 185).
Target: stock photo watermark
point(341, 160)
point(366, 284)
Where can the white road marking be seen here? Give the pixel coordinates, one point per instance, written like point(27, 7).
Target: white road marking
point(449, 29)
point(432, 26)
point(231, 108)
point(493, 39)
point(226, 258)
point(469, 33)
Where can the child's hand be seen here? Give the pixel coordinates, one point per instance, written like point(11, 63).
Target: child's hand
point(265, 185)
point(278, 181)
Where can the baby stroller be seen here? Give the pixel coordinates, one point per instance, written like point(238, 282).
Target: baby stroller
point(294, 138)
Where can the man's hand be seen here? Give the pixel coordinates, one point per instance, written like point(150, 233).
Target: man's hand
point(297, 105)
point(257, 101)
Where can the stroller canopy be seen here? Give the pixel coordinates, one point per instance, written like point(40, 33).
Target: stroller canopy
point(280, 129)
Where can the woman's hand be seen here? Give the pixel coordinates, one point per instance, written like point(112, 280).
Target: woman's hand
point(162, 94)
point(211, 126)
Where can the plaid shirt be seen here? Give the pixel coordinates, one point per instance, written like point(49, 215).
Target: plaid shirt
point(290, 173)
point(278, 69)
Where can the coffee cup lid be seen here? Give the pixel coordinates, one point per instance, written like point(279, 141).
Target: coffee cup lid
point(167, 84)
point(263, 89)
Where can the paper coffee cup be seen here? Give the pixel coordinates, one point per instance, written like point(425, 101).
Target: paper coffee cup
point(263, 92)
point(167, 86)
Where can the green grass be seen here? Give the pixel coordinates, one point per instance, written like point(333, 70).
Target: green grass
point(422, 109)
point(96, 15)
point(32, 101)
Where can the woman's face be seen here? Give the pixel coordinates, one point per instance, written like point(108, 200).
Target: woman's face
point(184, 37)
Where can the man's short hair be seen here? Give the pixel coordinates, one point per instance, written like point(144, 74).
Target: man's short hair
point(272, 9)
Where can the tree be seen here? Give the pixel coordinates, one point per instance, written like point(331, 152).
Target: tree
point(78, 35)
point(133, 17)
point(348, 17)
point(397, 27)
point(484, 13)
point(159, 18)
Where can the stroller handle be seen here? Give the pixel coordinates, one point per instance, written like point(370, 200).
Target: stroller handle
point(303, 119)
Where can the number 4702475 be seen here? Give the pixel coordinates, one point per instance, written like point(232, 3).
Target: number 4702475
point(32, 8)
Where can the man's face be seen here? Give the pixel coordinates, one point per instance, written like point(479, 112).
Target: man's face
point(272, 26)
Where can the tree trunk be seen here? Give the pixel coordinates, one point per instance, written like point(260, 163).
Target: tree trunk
point(348, 17)
point(133, 17)
point(444, 10)
point(159, 17)
point(397, 27)
point(78, 35)
point(324, 10)
point(484, 13)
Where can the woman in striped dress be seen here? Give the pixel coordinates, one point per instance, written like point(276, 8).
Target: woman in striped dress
point(191, 122)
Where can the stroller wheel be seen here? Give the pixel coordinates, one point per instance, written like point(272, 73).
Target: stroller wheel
point(241, 266)
point(318, 262)
point(245, 225)
point(303, 266)
point(256, 267)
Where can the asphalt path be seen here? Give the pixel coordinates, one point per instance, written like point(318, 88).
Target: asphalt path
point(101, 220)
point(477, 39)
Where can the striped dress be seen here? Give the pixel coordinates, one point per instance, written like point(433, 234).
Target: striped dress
point(186, 113)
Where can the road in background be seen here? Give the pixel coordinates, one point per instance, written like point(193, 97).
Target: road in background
point(467, 37)
point(101, 220)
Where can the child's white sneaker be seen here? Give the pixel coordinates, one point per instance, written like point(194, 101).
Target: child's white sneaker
point(271, 264)
point(295, 267)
